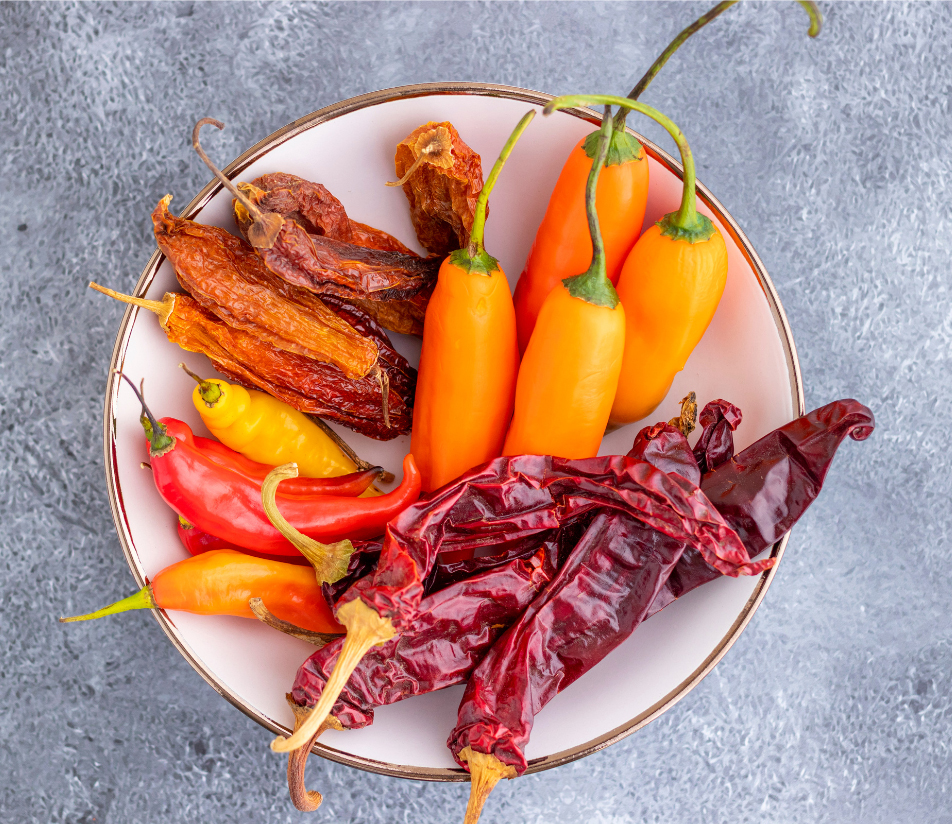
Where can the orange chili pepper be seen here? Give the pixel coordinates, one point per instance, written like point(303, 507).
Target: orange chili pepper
point(467, 378)
point(221, 581)
point(670, 285)
point(570, 369)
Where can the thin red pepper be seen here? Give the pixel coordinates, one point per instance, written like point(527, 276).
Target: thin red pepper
point(228, 505)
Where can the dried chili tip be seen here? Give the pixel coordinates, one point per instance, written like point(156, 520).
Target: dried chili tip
point(485, 772)
point(305, 800)
point(365, 629)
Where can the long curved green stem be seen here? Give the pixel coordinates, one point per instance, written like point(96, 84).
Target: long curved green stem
point(593, 285)
point(475, 258)
point(816, 23)
point(686, 222)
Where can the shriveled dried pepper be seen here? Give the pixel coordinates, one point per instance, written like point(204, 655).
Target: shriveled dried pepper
point(221, 581)
point(307, 385)
point(453, 629)
point(506, 500)
point(227, 278)
point(441, 177)
point(318, 262)
point(469, 360)
point(765, 489)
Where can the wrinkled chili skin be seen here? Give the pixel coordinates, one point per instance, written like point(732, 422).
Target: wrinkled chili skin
point(453, 629)
point(511, 498)
point(308, 385)
point(228, 279)
point(718, 421)
point(327, 266)
point(594, 603)
point(765, 489)
point(319, 213)
point(442, 201)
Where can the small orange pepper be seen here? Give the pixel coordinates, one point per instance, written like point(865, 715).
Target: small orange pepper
point(467, 377)
point(570, 369)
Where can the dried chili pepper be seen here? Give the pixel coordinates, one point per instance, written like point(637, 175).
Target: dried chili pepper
point(305, 384)
point(718, 421)
point(453, 628)
point(319, 213)
point(765, 489)
point(403, 316)
point(509, 499)
point(317, 262)
point(468, 364)
point(593, 604)
point(441, 177)
point(221, 581)
point(227, 278)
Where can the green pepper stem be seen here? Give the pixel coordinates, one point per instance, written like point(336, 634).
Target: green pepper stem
point(160, 441)
point(686, 218)
point(476, 247)
point(593, 285)
point(143, 599)
point(209, 390)
point(816, 23)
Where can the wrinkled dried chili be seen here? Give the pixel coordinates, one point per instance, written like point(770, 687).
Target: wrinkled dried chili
point(453, 629)
point(308, 385)
point(765, 489)
point(227, 278)
point(441, 177)
point(506, 500)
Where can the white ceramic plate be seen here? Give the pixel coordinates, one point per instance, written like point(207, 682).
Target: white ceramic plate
point(747, 357)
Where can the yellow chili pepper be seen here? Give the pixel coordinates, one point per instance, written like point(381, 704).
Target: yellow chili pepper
point(267, 430)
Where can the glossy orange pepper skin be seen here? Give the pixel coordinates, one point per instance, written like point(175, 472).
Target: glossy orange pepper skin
point(563, 246)
point(467, 376)
point(567, 379)
point(670, 290)
point(221, 582)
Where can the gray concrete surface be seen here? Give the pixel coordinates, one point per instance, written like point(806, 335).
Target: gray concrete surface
point(835, 705)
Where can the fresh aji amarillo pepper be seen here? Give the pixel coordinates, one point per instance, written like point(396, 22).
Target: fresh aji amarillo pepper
point(467, 375)
point(569, 373)
point(221, 582)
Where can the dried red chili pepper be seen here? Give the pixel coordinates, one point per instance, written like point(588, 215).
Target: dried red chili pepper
point(453, 628)
point(308, 385)
point(763, 491)
point(593, 604)
point(718, 420)
point(227, 278)
point(441, 177)
point(403, 316)
point(317, 262)
point(317, 211)
point(506, 500)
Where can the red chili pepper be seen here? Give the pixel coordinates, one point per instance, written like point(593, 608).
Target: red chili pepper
point(452, 631)
point(227, 504)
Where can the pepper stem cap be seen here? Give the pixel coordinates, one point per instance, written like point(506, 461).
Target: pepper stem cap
point(485, 772)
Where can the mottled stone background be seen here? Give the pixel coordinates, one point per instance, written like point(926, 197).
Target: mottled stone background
point(835, 704)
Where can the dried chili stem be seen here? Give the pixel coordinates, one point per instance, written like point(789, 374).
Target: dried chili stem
point(329, 560)
point(347, 449)
point(439, 144)
point(163, 308)
point(485, 772)
point(305, 800)
point(686, 421)
point(263, 614)
point(264, 231)
point(365, 629)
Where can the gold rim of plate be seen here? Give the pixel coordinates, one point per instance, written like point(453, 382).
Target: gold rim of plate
point(234, 169)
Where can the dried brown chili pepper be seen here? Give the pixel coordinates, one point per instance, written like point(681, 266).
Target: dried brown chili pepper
point(507, 500)
point(765, 489)
point(225, 276)
point(308, 385)
point(441, 177)
point(453, 629)
point(318, 262)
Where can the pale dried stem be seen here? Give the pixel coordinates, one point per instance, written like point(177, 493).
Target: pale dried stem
point(365, 629)
point(485, 772)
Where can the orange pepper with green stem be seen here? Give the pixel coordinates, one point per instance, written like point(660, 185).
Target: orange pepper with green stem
point(562, 246)
point(570, 369)
point(467, 377)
